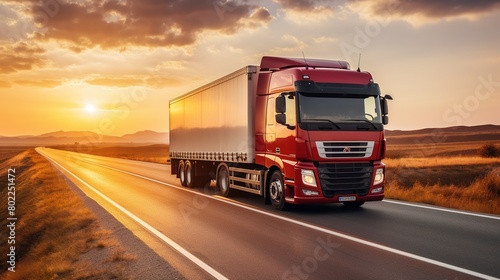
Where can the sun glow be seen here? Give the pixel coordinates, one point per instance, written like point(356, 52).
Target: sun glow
point(90, 108)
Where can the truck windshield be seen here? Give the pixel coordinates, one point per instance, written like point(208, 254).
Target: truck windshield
point(339, 109)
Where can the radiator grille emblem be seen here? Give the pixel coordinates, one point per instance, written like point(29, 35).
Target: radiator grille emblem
point(345, 149)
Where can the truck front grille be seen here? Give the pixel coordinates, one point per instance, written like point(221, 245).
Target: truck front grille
point(345, 149)
point(345, 178)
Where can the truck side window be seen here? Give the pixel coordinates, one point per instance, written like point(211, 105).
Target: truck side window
point(270, 111)
point(290, 110)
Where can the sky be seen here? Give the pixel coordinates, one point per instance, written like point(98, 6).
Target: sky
point(111, 66)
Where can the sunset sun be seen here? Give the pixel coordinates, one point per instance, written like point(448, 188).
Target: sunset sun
point(90, 108)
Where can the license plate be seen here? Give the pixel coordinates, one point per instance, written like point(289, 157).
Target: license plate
point(347, 198)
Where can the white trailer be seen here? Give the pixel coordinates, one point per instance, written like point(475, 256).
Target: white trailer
point(214, 124)
point(220, 112)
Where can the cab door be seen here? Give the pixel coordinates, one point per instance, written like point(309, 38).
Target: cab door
point(285, 134)
point(271, 126)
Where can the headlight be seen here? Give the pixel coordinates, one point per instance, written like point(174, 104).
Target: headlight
point(308, 177)
point(379, 176)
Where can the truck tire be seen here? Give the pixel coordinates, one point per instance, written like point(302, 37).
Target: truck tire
point(223, 180)
point(276, 190)
point(181, 173)
point(189, 175)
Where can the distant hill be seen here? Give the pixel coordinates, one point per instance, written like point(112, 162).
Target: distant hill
point(83, 137)
point(453, 134)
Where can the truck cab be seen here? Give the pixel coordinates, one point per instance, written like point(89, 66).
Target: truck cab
point(321, 132)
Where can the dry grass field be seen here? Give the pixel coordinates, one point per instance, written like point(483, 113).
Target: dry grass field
point(54, 232)
point(467, 183)
point(442, 167)
point(9, 152)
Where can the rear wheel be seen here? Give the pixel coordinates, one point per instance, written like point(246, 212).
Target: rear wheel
point(182, 173)
point(223, 180)
point(189, 175)
point(277, 190)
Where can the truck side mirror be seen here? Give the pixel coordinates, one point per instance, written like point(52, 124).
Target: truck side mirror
point(385, 108)
point(280, 105)
point(385, 120)
point(281, 118)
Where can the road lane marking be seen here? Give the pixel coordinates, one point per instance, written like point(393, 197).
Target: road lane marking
point(317, 228)
point(154, 231)
point(441, 209)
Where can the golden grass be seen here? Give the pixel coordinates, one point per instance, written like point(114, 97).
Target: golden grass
point(7, 152)
point(54, 228)
point(483, 195)
point(438, 161)
point(446, 171)
point(468, 183)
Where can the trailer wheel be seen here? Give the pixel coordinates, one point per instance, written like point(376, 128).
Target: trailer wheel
point(189, 175)
point(223, 180)
point(182, 174)
point(277, 190)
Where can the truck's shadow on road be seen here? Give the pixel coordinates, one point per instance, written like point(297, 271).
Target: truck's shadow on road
point(302, 210)
point(333, 208)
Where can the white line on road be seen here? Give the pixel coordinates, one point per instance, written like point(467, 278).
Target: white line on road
point(441, 209)
point(317, 228)
point(160, 235)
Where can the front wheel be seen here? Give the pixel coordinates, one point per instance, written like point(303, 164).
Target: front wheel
point(277, 190)
point(223, 180)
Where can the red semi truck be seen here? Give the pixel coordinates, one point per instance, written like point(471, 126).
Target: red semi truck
point(292, 130)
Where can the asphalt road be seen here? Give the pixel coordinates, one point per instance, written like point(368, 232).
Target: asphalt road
point(240, 238)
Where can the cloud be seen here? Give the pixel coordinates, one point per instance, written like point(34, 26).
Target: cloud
point(12, 24)
point(154, 81)
point(150, 23)
point(293, 45)
point(20, 56)
point(418, 12)
point(116, 82)
point(259, 17)
point(162, 82)
point(304, 5)
point(325, 39)
point(307, 11)
point(5, 84)
point(40, 83)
